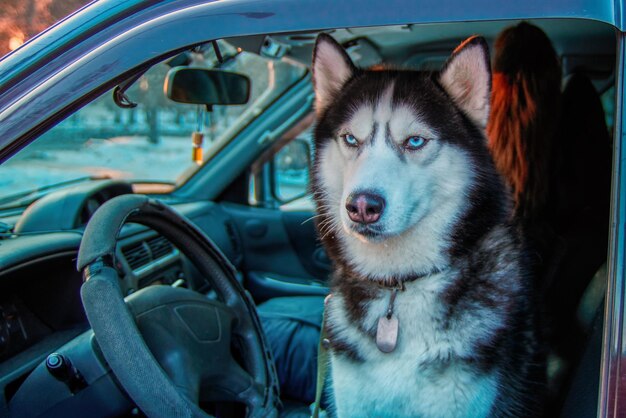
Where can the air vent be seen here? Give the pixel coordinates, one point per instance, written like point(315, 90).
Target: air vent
point(159, 247)
point(146, 254)
point(137, 255)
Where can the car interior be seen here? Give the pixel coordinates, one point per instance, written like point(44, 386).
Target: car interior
point(250, 178)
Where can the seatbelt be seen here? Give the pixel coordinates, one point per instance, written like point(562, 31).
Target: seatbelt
point(322, 363)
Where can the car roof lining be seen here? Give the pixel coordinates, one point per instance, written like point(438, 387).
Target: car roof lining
point(402, 44)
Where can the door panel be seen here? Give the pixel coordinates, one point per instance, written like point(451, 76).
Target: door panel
point(303, 237)
point(281, 253)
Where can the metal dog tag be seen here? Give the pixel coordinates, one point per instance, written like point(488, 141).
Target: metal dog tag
point(387, 333)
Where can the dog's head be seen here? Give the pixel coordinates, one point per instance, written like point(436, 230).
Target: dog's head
point(399, 155)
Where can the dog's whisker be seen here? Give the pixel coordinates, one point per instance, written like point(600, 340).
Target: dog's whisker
point(311, 218)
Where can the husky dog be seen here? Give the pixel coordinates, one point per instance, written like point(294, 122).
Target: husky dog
point(431, 313)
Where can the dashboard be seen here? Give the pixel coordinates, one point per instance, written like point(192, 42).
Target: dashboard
point(40, 306)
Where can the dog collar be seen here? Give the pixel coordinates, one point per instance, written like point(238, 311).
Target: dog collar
point(395, 283)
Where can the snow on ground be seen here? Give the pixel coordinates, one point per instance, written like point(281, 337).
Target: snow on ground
point(125, 157)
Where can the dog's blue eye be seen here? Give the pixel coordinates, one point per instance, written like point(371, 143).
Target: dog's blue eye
point(415, 142)
point(350, 140)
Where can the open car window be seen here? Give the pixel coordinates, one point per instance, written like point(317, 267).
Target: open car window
point(149, 143)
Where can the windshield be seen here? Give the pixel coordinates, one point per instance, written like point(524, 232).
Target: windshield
point(150, 143)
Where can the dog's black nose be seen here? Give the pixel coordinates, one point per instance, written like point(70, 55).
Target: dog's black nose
point(365, 208)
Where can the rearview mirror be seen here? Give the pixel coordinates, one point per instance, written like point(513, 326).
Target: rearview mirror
point(206, 87)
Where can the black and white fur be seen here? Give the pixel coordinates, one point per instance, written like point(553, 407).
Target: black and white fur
point(467, 344)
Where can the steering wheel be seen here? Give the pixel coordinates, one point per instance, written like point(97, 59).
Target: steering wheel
point(171, 348)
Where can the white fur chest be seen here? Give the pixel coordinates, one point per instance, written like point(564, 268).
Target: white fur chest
point(424, 376)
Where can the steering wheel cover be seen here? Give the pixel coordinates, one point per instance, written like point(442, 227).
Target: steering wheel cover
point(114, 325)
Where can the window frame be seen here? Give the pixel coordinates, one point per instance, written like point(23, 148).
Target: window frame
point(612, 391)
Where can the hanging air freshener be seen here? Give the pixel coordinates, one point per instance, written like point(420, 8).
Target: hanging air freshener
point(197, 138)
point(196, 147)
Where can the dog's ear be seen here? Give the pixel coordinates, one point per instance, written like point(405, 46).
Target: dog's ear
point(332, 67)
point(466, 76)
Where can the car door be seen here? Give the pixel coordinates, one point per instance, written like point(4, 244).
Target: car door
point(281, 249)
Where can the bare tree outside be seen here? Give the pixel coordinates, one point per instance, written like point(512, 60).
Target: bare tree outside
point(20, 20)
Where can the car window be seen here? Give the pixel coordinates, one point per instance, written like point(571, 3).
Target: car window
point(291, 169)
point(280, 178)
point(151, 142)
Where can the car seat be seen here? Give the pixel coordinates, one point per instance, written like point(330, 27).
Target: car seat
point(574, 294)
point(581, 395)
point(582, 207)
